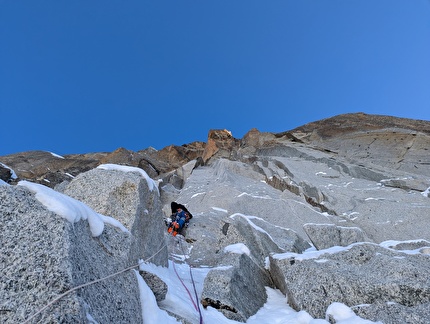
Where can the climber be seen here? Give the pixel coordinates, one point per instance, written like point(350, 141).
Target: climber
point(180, 217)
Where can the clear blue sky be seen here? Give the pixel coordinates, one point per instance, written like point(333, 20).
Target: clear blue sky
point(91, 76)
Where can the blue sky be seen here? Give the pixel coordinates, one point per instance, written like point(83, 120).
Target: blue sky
point(92, 76)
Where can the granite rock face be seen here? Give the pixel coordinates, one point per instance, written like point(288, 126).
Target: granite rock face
point(325, 196)
point(238, 290)
point(44, 255)
point(325, 236)
point(364, 274)
point(398, 143)
point(221, 143)
point(126, 197)
point(332, 211)
point(32, 270)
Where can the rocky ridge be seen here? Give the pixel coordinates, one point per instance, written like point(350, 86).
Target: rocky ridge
point(51, 169)
point(356, 181)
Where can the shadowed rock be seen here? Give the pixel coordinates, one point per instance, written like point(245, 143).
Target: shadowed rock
point(5, 174)
point(238, 288)
point(47, 168)
point(158, 286)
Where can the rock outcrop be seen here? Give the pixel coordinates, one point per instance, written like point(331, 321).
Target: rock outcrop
point(324, 236)
point(221, 143)
point(51, 169)
point(238, 289)
point(129, 199)
point(397, 143)
point(364, 275)
point(44, 255)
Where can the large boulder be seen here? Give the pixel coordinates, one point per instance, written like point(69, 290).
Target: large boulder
point(44, 256)
point(394, 313)
point(324, 236)
point(53, 242)
point(243, 245)
point(264, 238)
point(125, 194)
point(238, 288)
point(360, 274)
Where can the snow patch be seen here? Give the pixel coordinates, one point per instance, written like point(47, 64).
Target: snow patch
point(238, 248)
point(220, 209)
point(342, 314)
point(56, 155)
point(198, 194)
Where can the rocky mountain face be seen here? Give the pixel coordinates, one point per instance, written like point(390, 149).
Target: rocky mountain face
point(51, 169)
point(333, 211)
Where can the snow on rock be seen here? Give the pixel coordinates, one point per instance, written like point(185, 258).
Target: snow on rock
point(151, 313)
point(151, 183)
point(56, 155)
point(238, 248)
point(342, 314)
point(13, 174)
point(361, 273)
point(426, 193)
point(69, 208)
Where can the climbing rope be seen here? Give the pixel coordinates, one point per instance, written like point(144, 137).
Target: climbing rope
point(194, 286)
point(186, 288)
point(195, 303)
point(91, 283)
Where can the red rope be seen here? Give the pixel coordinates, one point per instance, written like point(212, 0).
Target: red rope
point(194, 286)
point(183, 284)
point(196, 306)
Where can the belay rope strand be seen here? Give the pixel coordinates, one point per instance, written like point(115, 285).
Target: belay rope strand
point(196, 302)
point(194, 285)
point(90, 283)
